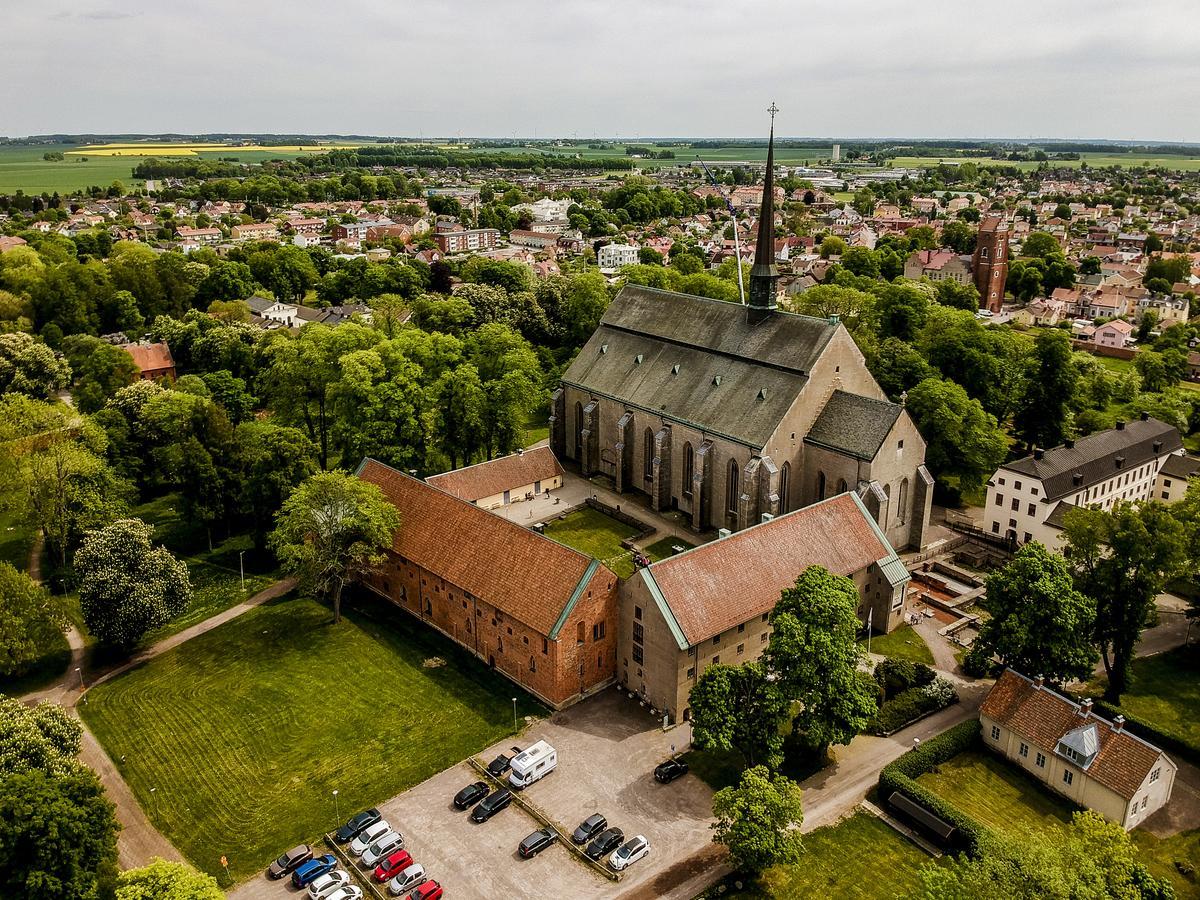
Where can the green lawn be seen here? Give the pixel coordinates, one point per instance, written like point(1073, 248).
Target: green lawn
point(592, 532)
point(1002, 797)
point(661, 549)
point(859, 858)
point(537, 428)
point(1165, 691)
point(903, 643)
point(234, 741)
point(16, 538)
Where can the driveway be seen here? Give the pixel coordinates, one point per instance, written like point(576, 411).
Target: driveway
point(607, 749)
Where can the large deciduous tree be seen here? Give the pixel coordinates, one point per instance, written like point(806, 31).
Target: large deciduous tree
point(814, 654)
point(127, 586)
point(270, 460)
point(29, 367)
point(1044, 412)
point(333, 529)
point(42, 738)
point(739, 708)
point(1038, 622)
point(29, 617)
point(759, 820)
point(1123, 558)
point(164, 880)
point(961, 437)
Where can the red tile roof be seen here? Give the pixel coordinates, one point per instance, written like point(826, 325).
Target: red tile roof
point(1042, 717)
point(730, 581)
point(520, 572)
point(486, 479)
point(150, 357)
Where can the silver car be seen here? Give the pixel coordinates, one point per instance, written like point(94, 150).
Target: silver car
point(409, 878)
point(393, 840)
point(369, 836)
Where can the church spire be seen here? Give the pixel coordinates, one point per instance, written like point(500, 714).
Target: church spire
point(764, 273)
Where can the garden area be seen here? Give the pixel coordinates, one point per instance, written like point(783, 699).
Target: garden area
point(596, 534)
point(859, 858)
point(999, 796)
point(903, 643)
point(234, 741)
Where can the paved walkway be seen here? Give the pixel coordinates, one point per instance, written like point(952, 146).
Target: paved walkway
point(139, 841)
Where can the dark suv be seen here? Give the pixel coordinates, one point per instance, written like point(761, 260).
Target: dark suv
point(605, 843)
point(670, 770)
point(537, 842)
point(354, 827)
point(490, 805)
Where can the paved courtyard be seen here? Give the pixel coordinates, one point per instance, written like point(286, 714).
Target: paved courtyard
point(607, 749)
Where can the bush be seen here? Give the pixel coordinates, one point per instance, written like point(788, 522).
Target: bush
point(895, 676)
point(913, 703)
point(900, 777)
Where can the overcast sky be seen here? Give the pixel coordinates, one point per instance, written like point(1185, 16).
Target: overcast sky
point(859, 68)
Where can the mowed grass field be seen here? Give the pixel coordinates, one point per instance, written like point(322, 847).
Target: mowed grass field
point(1005, 799)
point(903, 643)
point(234, 741)
point(859, 858)
point(592, 532)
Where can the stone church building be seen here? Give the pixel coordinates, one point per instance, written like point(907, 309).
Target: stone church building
point(732, 412)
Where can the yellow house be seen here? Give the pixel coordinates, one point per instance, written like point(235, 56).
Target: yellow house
point(498, 482)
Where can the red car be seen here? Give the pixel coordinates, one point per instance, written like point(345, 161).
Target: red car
point(430, 890)
point(391, 866)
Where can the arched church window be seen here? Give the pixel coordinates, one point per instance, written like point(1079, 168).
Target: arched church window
point(732, 488)
point(785, 476)
point(820, 485)
point(648, 453)
point(902, 501)
point(689, 469)
point(842, 486)
point(579, 431)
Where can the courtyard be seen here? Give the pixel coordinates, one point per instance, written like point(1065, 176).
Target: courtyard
point(234, 742)
point(596, 534)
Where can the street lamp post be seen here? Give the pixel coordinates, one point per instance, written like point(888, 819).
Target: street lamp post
point(242, 568)
point(79, 672)
point(336, 810)
point(514, 713)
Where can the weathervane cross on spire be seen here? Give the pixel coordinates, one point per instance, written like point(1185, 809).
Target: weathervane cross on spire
point(772, 109)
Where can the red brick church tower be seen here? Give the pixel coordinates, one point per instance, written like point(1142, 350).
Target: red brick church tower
point(990, 262)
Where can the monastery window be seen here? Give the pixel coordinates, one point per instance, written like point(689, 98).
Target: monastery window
point(648, 453)
point(742, 628)
point(510, 629)
point(902, 502)
point(995, 732)
point(579, 431)
point(689, 468)
point(1145, 800)
point(785, 477)
point(1024, 750)
point(637, 612)
point(820, 485)
point(638, 633)
point(716, 660)
point(764, 616)
point(545, 645)
point(532, 664)
point(691, 673)
point(1068, 776)
point(842, 486)
point(732, 488)
point(499, 644)
point(468, 626)
point(762, 638)
point(579, 632)
point(716, 640)
point(741, 648)
point(598, 631)
point(637, 654)
point(1040, 762)
point(1154, 775)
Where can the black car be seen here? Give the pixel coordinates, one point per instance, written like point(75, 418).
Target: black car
point(490, 805)
point(670, 770)
point(355, 826)
point(290, 861)
point(471, 794)
point(589, 828)
point(605, 843)
point(502, 763)
point(537, 842)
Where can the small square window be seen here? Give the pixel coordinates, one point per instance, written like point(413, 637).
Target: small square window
point(1041, 760)
point(1024, 750)
point(741, 648)
point(1016, 485)
point(995, 732)
point(716, 660)
point(637, 612)
point(762, 638)
point(1068, 776)
point(764, 616)
point(691, 673)
point(742, 629)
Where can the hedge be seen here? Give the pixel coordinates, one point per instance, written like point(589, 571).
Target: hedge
point(911, 704)
point(900, 777)
point(1166, 740)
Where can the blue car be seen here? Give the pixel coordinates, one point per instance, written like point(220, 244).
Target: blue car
point(314, 869)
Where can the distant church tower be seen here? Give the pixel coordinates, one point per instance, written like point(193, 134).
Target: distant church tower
point(765, 273)
point(990, 262)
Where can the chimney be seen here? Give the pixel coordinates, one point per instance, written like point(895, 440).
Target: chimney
point(1069, 443)
point(1085, 708)
point(1077, 479)
point(1120, 424)
point(1145, 416)
point(1157, 446)
point(1119, 724)
point(1039, 682)
point(1038, 453)
point(1120, 462)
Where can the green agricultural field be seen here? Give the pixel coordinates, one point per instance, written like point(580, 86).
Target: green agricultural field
point(903, 643)
point(1000, 796)
point(234, 741)
point(859, 858)
point(1096, 160)
point(599, 536)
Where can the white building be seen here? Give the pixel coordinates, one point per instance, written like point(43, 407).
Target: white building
point(611, 257)
point(1027, 498)
point(1088, 759)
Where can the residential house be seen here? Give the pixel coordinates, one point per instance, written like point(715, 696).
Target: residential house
point(1174, 477)
point(612, 257)
point(498, 482)
point(153, 360)
point(1116, 333)
point(198, 235)
point(1093, 762)
point(465, 240)
point(255, 231)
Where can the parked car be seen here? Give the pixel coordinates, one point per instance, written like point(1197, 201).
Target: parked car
point(290, 861)
point(629, 853)
point(535, 843)
point(350, 892)
point(670, 770)
point(392, 865)
point(491, 804)
point(430, 890)
point(310, 871)
point(393, 840)
point(328, 884)
point(368, 836)
point(605, 843)
point(409, 878)
point(589, 828)
point(502, 763)
point(355, 826)
point(471, 794)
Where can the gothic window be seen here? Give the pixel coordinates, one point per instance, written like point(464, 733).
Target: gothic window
point(689, 469)
point(983, 253)
point(902, 501)
point(842, 486)
point(820, 485)
point(784, 477)
point(732, 489)
point(579, 432)
point(648, 453)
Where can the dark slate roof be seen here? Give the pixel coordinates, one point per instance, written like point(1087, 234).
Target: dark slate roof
point(1180, 466)
point(1058, 515)
point(854, 425)
point(1095, 456)
point(686, 345)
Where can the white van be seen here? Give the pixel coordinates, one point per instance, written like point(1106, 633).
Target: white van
point(532, 763)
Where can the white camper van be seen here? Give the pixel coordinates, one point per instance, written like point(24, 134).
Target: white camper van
point(532, 763)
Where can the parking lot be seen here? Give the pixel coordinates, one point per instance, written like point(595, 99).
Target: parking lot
point(607, 748)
